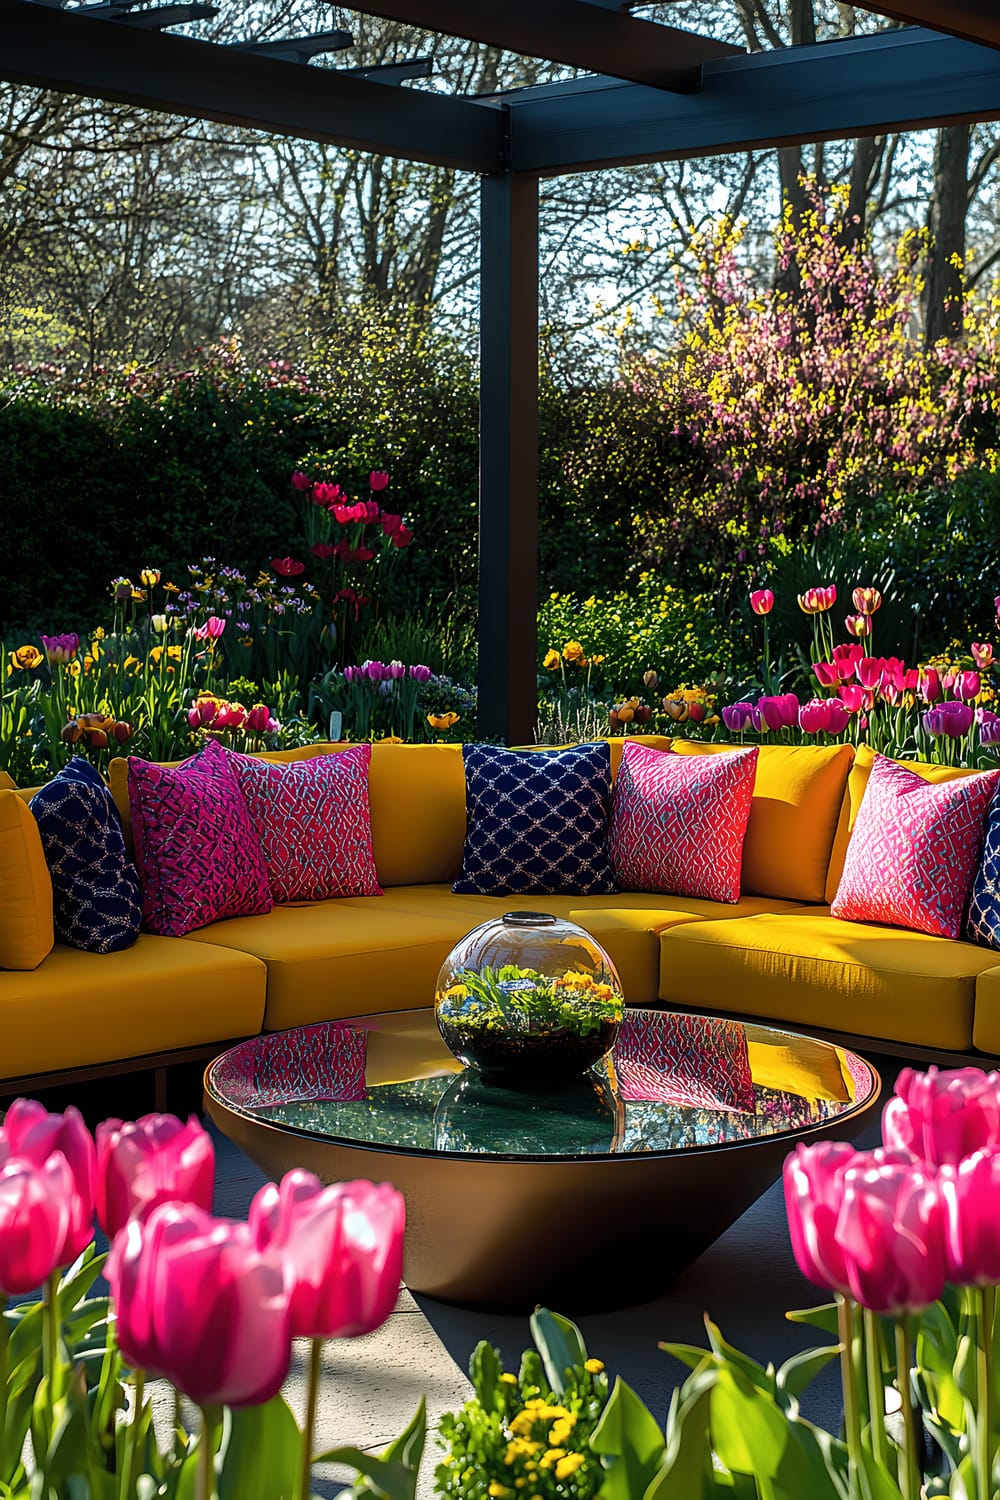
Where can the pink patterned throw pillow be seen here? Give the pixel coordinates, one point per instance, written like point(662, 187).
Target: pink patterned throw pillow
point(678, 821)
point(313, 820)
point(196, 849)
point(914, 850)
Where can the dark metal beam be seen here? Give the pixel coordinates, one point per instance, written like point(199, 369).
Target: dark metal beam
point(896, 80)
point(975, 20)
point(574, 32)
point(508, 457)
point(77, 54)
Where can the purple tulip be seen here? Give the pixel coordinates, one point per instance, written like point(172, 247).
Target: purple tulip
point(421, 674)
point(60, 648)
point(395, 671)
point(989, 726)
point(740, 716)
point(375, 671)
point(952, 719)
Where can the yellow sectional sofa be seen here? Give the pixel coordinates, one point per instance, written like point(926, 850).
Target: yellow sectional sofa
point(776, 954)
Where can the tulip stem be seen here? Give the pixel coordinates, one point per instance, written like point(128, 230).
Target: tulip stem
point(50, 1316)
point(309, 1427)
point(876, 1386)
point(909, 1468)
point(205, 1478)
point(132, 1436)
point(985, 1299)
point(852, 1416)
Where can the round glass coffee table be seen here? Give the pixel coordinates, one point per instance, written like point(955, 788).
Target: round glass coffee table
point(591, 1196)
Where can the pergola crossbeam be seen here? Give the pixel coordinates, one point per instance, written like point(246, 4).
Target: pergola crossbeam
point(78, 54)
point(975, 20)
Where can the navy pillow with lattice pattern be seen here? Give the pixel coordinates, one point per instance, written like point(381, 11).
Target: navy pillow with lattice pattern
point(537, 821)
point(95, 888)
point(982, 923)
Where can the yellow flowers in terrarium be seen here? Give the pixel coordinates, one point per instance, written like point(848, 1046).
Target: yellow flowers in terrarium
point(529, 1000)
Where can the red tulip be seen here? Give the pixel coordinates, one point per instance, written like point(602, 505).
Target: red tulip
point(930, 684)
point(153, 1160)
point(814, 1177)
point(342, 1248)
point(326, 494)
point(890, 1230)
point(871, 670)
point(852, 697)
point(390, 523)
point(31, 1132)
point(847, 658)
point(35, 1206)
point(301, 481)
point(378, 479)
point(827, 673)
point(816, 601)
point(198, 1303)
point(260, 720)
point(970, 1192)
point(324, 550)
point(401, 537)
point(762, 601)
point(943, 1115)
point(287, 567)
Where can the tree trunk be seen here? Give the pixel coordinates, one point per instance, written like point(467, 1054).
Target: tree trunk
point(946, 220)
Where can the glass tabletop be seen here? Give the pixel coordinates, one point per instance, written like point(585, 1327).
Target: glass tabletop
point(674, 1082)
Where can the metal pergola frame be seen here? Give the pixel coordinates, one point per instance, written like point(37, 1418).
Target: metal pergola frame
point(653, 93)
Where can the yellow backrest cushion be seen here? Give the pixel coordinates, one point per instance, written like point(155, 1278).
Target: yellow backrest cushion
point(417, 799)
point(7, 783)
point(118, 775)
point(797, 798)
point(857, 781)
point(26, 934)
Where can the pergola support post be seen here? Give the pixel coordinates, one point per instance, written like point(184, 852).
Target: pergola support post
point(508, 457)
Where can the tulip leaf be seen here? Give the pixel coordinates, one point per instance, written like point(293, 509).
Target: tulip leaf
point(876, 1482)
point(629, 1436)
point(686, 1467)
point(263, 1452)
point(964, 1368)
point(752, 1435)
point(763, 1379)
point(384, 1479)
point(799, 1371)
point(688, 1354)
point(408, 1448)
point(78, 1280)
point(824, 1317)
point(560, 1343)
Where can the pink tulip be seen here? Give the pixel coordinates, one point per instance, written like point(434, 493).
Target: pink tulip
point(230, 716)
point(943, 1115)
point(967, 686)
point(342, 1248)
point(813, 1177)
point(970, 1192)
point(153, 1160)
point(378, 479)
point(779, 712)
point(324, 550)
point(852, 697)
point(31, 1132)
point(260, 720)
point(982, 655)
point(762, 601)
point(827, 673)
point(35, 1208)
point(401, 537)
point(287, 567)
point(211, 630)
point(871, 670)
point(930, 684)
point(823, 715)
point(198, 1303)
point(996, 604)
point(847, 658)
point(891, 1231)
point(390, 523)
point(817, 600)
point(301, 481)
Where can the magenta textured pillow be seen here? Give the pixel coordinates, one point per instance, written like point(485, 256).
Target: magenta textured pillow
point(313, 821)
point(196, 848)
point(914, 850)
point(678, 821)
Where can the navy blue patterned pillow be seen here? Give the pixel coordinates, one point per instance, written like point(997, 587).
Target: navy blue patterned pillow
point(982, 925)
point(95, 888)
point(537, 821)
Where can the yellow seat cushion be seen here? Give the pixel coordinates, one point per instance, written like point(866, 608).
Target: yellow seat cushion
point(161, 994)
point(26, 930)
point(857, 781)
point(797, 798)
point(986, 1026)
point(331, 959)
point(811, 969)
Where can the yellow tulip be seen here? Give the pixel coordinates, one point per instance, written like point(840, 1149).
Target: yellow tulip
point(26, 657)
point(573, 652)
point(150, 577)
point(552, 661)
point(159, 624)
point(442, 721)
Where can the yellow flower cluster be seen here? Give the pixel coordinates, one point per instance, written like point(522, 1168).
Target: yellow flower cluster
point(571, 655)
point(583, 984)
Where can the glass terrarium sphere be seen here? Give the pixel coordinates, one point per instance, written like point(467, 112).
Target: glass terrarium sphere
point(529, 1000)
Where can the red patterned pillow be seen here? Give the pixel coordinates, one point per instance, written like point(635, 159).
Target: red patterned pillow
point(914, 850)
point(196, 849)
point(678, 821)
point(313, 821)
